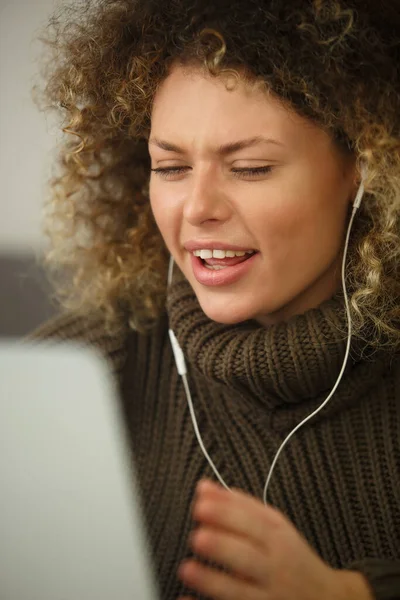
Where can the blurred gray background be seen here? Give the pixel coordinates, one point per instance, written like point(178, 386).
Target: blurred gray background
point(27, 143)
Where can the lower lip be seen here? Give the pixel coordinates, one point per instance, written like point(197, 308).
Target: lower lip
point(224, 276)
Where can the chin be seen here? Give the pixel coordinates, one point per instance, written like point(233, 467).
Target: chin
point(226, 313)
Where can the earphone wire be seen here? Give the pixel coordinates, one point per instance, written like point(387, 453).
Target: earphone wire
point(199, 438)
point(182, 369)
point(346, 356)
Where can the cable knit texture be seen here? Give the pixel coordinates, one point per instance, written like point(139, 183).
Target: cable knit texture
point(338, 479)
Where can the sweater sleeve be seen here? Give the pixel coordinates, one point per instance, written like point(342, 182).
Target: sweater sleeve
point(382, 575)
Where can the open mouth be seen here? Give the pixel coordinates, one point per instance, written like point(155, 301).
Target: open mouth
point(214, 271)
point(216, 264)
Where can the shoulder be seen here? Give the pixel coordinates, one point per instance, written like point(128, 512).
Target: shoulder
point(89, 331)
point(122, 346)
point(394, 370)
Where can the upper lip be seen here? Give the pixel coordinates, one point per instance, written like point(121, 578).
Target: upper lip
point(193, 245)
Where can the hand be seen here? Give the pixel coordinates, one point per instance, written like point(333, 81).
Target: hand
point(267, 558)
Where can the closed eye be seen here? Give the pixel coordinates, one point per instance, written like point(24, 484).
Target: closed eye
point(240, 173)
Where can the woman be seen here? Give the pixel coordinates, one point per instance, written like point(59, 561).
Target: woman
point(238, 138)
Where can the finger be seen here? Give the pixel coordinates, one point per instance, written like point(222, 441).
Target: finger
point(215, 584)
point(207, 488)
point(235, 553)
point(238, 513)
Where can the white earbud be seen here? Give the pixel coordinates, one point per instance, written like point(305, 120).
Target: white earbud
point(361, 189)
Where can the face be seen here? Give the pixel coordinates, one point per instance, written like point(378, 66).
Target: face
point(235, 171)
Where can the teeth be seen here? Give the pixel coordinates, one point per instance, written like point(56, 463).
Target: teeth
point(218, 253)
point(204, 254)
point(215, 267)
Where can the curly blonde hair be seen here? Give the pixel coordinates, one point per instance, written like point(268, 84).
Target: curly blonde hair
point(334, 62)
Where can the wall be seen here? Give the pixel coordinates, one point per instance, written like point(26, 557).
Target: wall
point(26, 150)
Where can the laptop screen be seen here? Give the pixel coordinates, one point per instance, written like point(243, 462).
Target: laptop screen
point(70, 518)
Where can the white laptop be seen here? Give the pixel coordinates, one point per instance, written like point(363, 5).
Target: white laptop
point(71, 526)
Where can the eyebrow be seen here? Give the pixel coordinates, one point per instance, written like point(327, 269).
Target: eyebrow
point(223, 150)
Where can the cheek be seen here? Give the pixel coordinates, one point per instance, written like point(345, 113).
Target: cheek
point(277, 218)
point(299, 219)
point(166, 214)
point(157, 208)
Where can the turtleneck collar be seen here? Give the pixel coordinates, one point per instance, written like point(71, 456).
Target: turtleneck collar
point(282, 365)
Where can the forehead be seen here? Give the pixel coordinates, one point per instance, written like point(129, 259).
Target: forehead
point(191, 95)
point(193, 107)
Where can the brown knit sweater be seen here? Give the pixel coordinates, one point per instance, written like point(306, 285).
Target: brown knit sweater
point(338, 479)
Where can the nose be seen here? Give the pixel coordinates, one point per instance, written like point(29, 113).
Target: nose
point(205, 200)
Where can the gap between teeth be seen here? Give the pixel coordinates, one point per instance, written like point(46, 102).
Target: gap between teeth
point(204, 254)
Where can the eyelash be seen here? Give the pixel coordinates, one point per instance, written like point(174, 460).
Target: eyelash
point(165, 172)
